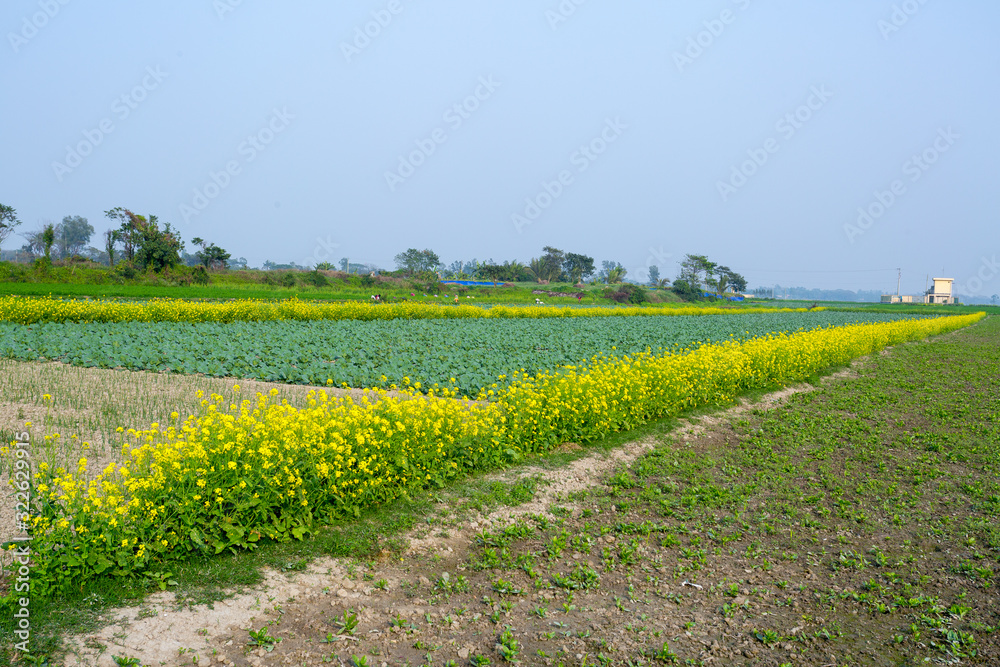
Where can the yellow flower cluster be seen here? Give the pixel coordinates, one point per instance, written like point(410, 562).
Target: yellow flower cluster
point(23, 310)
point(234, 474)
point(608, 395)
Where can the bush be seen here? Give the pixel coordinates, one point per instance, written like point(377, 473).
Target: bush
point(627, 293)
point(686, 291)
point(316, 279)
point(126, 270)
point(13, 273)
point(199, 275)
point(288, 280)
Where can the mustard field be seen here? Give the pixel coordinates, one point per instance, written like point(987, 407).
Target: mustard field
point(244, 471)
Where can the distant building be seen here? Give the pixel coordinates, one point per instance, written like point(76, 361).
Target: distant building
point(940, 292)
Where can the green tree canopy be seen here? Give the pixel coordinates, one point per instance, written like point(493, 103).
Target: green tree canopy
point(578, 267)
point(48, 238)
point(143, 242)
point(552, 262)
point(8, 221)
point(417, 261)
point(697, 271)
point(72, 235)
point(654, 275)
point(727, 278)
point(612, 272)
point(212, 256)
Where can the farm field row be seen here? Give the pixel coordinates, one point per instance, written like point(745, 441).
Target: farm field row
point(337, 290)
point(30, 311)
point(464, 354)
point(236, 474)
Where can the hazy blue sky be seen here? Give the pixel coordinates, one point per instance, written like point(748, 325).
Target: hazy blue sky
point(746, 130)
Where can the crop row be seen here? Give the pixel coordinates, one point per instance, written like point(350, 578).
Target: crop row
point(237, 474)
point(467, 354)
point(23, 310)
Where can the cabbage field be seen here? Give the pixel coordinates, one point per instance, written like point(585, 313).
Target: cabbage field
point(468, 354)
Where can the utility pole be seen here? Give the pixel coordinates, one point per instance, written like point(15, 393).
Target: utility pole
point(899, 278)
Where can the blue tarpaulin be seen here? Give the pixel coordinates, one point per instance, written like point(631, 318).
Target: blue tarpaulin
point(727, 298)
point(470, 283)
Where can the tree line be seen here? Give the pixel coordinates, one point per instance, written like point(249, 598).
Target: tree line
point(137, 240)
point(696, 275)
point(141, 243)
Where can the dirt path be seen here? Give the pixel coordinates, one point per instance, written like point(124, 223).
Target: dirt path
point(310, 602)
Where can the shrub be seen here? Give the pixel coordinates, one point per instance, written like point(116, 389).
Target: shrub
point(199, 275)
point(13, 273)
point(288, 279)
point(316, 279)
point(686, 291)
point(126, 270)
point(627, 293)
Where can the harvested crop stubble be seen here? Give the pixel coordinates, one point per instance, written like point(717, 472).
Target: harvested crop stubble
point(236, 474)
point(24, 310)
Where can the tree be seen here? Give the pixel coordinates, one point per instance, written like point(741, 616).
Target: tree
point(95, 255)
point(654, 275)
point(157, 249)
point(72, 235)
point(48, 238)
point(541, 271)
point(995, 298)
point(553, 260)
point(726, 277)
point(417, 261)
point(722, 280)
point(578, 267)
point(697, 271)
point(35, 242)
point(515, 270)
point(8, 222)
point(612, 272)
point(111, 238)
point(211, 255)
point(492, 271)
point(508, 272)
point(128, 233)
point(738, 282)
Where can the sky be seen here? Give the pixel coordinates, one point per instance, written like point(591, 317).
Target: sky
point(819, 144)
